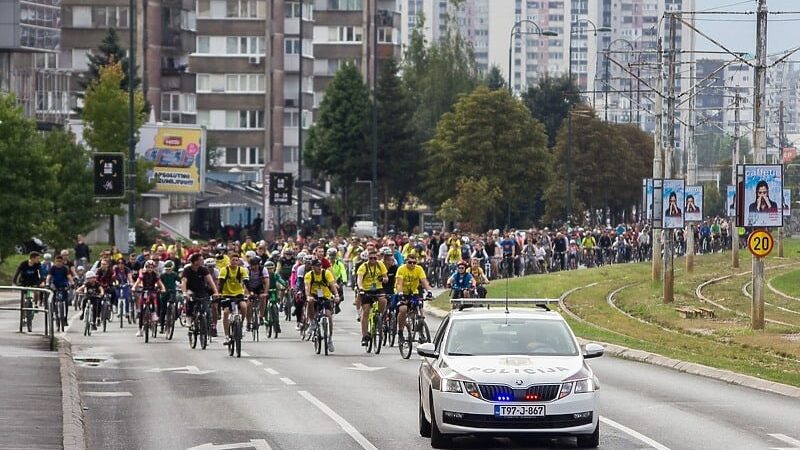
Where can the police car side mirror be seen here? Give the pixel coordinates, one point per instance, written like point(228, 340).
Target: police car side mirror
point(427, 350)
point(592, 350)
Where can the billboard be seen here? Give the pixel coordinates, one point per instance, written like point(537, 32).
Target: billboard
point(787, 203)
point(176, 151)
point(730, 200)
point(649, 198)
point(673, 197)
point(693, 208)
point(763, 195)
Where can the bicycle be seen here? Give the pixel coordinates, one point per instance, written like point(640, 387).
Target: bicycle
point(124, 308)
point(105, 310)
point(416, 327)
point(235, 339)
point(255, 321)
point(272, 319)
point(148, 318)
point(322, 330)
point(200, 323)
point(26, 317)
point(287, 303)
point(170, 314)
point(61, 295)
point(88, 316)
point(391, 323)
point(374, 323)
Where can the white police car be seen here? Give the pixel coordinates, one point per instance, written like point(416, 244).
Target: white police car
point(521, 372)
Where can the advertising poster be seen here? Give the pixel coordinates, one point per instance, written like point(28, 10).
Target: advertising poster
point(787, 203)
point(649, 198)
point(673, 197)
point(763, 195)
point(693, 208)
point(730, 200)
point(176, 155)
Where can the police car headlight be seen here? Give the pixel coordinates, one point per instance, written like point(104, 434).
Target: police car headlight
point(584, 386)
point(451, 385)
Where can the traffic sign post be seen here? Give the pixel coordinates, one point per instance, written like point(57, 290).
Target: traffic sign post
point(760, 243)
point(109, 175)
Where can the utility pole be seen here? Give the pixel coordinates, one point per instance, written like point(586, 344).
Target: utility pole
point(735, 160)
point(300, 128)
point(266, 230)
point(759, 148)
point(780, 152)
point(373, 201)
point(669, 273)
point(131, 132)
point(658, 157)
point(691, 174)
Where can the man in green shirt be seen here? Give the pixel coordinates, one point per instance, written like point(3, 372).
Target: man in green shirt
point(171, 280)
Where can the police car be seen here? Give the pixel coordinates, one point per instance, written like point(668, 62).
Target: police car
point(517, 371)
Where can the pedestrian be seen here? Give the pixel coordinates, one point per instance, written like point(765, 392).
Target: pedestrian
point(82, 251)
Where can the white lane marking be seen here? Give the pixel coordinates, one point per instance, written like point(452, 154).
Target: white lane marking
point(353, 333)
point(634, 433)
point(258, 444)
point(245, 354)
point(364, 367)
point(288, 381)
point(271, 371)
point(787, 439)
point(98, 382)
point(257, 363)
point(107, 394)
point(349, 429)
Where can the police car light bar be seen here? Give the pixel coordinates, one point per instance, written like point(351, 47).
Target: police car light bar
point(477, 302)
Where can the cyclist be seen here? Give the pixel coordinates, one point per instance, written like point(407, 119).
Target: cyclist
point(44, 267)
point(150, 281)
point(94, 292)
point(460, 281)
point(28, 273)
point(275, 286)
point(370, 278)
point(61, 279)
point(123, 280)
point(258, 284)
point(408, 279)
point(391, 275)
point(588, 244)
point(196, 284)
point(508, 247)
point(170, 278)
point(300, 301)
point(232, 279)
point(320, 286)
point(480, 278)
point(338, 268)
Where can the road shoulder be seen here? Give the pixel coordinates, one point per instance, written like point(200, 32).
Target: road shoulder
point(74, 424)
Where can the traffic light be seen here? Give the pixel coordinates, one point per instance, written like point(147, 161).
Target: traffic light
point(109, 175)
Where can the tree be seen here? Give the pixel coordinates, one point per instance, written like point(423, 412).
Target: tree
point(400, 161)
point(109, 52)
point(478, 198)
point(73, 206)
point(713, 200)
point(337, 146)
point(550, 102)
point(490, 135)
point(24, 175)
point(495, 80)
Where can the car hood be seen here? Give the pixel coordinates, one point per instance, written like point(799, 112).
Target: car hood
point(513, 369)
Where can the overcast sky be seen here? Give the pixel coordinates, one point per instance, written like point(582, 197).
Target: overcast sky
point(738, 32)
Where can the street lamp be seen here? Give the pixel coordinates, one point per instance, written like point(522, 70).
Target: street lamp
point(595, 29)
point(517, 28)
point(630, 83)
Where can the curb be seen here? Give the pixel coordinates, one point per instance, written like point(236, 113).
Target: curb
point(655, 359)
point(74, 426)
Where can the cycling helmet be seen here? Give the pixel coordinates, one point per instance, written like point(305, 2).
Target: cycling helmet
point(332, 251)
point(221, 248)
point(48, 256)
point(301, 255)
point(465, 239)
point(210, 262)
point(149, 263)
point(80, 269)
point(254, 261)
point(364, 255)
point(270, 265)
point(386, 251)
point(169, 265)
point(274, 253)
point(307, 259)
point(249, 254)
point(90, 275)
point(288, 252)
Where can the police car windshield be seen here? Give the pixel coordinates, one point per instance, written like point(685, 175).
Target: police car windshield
point(531, 337)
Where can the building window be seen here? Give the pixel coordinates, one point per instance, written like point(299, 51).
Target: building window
point(81, 16)
point(291, 46)
point(245, 9)
point(291, 119)
point(290, 154)
point(80, 59)
point(243, 156)
point(292, 10)
point(203, 44)
point(385, 35)
point(244, 120)
point(110, 16)
point(203, 8)
point(344, 34)
point(244, 83)
point(244, 45)
point(344, 5)
point(173, 104)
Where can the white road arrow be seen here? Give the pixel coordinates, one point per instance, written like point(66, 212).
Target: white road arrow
point(191, 370)
point(258, 444)
point(364, 368)
point(786, 439)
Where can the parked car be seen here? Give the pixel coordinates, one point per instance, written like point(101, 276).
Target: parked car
point(365, 228)
point(33, 244)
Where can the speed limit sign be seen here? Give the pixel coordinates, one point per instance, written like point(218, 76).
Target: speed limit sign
point(760, 243)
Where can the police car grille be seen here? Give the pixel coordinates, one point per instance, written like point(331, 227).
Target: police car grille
point(542, 392)
point(493, 392)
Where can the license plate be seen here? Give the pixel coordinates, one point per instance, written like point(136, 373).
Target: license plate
point(519, 410)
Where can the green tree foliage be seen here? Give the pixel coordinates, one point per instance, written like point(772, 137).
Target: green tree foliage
point(400, 162)
point(490, 134)
point(109, 51)
point(477, 199)
point(495, 80)
point(713, 200)
point(337, 145)
point(24, 175)
point(606, 164)
point(550, 102)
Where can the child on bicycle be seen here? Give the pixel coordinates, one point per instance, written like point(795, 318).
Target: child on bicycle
point(93, 291)
point(149, 281)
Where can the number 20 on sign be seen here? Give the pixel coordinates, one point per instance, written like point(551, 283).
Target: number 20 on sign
point(760, 243)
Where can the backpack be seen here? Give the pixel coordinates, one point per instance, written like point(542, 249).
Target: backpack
point(228, 275)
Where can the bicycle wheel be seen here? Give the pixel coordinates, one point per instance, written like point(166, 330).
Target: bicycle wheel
point(146, 325)
point(169, 322)
point(274, 320)
point(323, 324)
point(104, 312)
point(193, 332)
point(405, 344)
point(423, 331)
point(392, 329)
point(378, 333)
point(371, 332)
point(317, 341)
point(203, 330)
point(29, 316)
point(254, 323)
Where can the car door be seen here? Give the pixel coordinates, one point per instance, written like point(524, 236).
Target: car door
point(426, 368)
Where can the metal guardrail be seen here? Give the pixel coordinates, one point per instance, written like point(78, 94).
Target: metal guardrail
point(49, 329)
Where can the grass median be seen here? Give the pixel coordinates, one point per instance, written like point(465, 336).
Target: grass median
point(724, 341)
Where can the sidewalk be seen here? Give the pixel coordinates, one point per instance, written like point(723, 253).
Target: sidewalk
point(31, 412)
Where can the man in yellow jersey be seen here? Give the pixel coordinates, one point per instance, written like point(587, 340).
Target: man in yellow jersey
point(320, 286)
point(233, 282)
point(370, 278)
point(409, 276)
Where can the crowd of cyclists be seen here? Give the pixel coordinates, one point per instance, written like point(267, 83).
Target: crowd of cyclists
point(306, 278)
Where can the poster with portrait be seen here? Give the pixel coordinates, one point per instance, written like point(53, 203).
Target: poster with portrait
point(673, 197)
point(730, 200)
point(763, 195)
point(787, 203)
point(693, 208)
point(649, 198)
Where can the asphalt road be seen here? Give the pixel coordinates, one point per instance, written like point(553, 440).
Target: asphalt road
point(280, 395)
